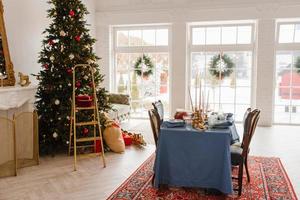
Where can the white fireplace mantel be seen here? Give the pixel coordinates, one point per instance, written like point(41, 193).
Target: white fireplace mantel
point(16, 99)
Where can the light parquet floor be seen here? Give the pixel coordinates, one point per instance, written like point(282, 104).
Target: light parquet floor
point(54, 178)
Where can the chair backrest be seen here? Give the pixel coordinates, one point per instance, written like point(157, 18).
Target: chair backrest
point(155, 124)
point(250, 126)
point(244, 121)
point(159, 107)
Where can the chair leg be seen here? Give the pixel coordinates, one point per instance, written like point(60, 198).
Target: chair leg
point(240, 180)
point(247, 171)
point(152, 181)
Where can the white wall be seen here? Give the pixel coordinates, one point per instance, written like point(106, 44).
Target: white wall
point(180, 12)
point(25, 21)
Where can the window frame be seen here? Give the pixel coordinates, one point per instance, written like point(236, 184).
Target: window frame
point(290, 48)
point(139, 49)
point(206, 48)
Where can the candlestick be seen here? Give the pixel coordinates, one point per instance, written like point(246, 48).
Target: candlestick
point(191, 99)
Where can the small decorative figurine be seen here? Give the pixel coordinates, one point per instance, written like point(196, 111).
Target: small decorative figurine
point(24, 79)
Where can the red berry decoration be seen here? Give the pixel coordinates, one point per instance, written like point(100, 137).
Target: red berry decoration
point(69, 71)
point(85, 131)
point(78, 84)
point(77, 38)
point(72, 13)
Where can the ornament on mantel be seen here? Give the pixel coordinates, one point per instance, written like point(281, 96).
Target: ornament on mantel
point(69, 84)
point(85, 77)
point(52, 58)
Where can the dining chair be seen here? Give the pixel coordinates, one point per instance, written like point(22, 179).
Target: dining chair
point(237, 142)
point(159, 107)
point(239, 154)
point(155, 124)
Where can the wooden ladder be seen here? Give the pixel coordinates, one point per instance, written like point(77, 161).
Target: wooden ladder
point(74, 138)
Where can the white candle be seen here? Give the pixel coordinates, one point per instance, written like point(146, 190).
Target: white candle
point(200, 99)
point(207, 101)
point(196, 85)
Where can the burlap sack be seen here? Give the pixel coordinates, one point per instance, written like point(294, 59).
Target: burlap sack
point(113, 138)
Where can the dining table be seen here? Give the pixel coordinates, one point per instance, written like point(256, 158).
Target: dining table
point(187, 157)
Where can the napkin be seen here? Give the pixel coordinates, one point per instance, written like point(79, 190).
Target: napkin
point(174, 123)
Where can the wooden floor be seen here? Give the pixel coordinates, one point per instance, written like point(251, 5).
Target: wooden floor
point(55, 179)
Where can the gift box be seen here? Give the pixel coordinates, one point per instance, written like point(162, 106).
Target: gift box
point(98, 146)
point(127, 140)
point(84, 101)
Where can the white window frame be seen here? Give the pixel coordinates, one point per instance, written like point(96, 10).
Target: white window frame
point(222, 48)
point(294, 46)
point(139, 49)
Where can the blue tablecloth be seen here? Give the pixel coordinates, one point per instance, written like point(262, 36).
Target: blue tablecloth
point(189, 158)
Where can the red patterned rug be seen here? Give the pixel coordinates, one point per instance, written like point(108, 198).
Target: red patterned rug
point(268, 181)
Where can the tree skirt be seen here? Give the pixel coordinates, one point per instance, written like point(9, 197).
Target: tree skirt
point(268, 181)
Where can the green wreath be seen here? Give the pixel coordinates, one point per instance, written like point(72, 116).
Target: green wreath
point(224, 71)
point(148, 63)
point(297, 65)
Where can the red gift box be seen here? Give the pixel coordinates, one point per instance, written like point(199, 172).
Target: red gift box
point(98, 146)
point(127, 140)
point(84, 101)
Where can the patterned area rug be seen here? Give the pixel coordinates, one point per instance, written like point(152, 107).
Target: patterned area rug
point(268, 181)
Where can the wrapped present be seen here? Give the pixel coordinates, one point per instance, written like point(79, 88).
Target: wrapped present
point(84, 101)
point(127, 139)
point(98, 146)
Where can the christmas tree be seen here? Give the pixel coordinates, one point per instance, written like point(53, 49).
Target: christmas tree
point(67, 43)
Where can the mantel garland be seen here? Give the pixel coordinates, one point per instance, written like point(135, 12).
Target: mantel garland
point(221, 65)
point(138, 66)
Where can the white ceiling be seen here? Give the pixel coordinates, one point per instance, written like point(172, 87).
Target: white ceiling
point(115, 5)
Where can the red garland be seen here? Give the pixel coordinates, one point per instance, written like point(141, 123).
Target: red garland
point(72, 13)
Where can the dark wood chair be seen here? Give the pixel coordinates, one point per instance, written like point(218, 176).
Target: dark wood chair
point(155, 124)
point(239, 154)
point(237, 139)
point(159, 107)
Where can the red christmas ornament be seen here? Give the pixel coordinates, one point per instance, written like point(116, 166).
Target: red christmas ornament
point(77, 38)
point(72, 13)
point(46, 66)
point(91, 84)
point(85, 131)
point(78, 84)
point(69, 71)
point(51, 42)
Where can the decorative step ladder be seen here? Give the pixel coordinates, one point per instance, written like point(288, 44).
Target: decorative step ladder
point(74, 138)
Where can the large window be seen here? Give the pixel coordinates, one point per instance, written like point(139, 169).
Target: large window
point(287, 85)
point(130, 43)
point(229, 94)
